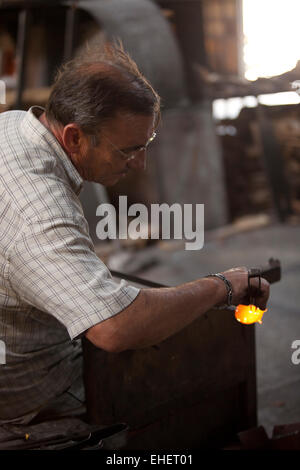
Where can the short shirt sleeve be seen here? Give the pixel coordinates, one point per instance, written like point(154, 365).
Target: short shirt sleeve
point(54, 268)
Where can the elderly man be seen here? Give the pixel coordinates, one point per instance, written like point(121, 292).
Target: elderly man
point(100, 117)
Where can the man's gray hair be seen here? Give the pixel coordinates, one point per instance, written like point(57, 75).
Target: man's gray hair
point(94, 87)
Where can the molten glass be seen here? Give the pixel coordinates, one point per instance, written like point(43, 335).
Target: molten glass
point(249, 314)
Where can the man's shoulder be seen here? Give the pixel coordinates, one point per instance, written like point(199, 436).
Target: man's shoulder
point(33, 179)
point(11, 116)
point(14, 113)
point(11, 137)
point(42, 196)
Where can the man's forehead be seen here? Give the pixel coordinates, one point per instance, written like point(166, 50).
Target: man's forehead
point(128, 119)
point(130, 126)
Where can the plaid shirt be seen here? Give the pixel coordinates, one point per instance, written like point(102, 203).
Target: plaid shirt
point(53, 287)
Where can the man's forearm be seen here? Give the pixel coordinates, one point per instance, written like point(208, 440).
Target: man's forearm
point(157, 314)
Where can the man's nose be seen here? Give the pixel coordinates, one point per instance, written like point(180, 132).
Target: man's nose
point(138, 162)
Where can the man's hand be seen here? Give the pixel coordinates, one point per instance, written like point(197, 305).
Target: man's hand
point(239, 280)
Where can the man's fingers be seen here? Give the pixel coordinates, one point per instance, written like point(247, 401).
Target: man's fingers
point(262, 297)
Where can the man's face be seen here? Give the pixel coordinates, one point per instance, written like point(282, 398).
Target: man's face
point(125, 134)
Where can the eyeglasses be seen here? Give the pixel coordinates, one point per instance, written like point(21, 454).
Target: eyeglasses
point(132, 153)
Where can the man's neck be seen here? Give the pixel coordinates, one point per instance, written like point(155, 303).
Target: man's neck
point(44, 120)
point(56, 132)
point(58, 135)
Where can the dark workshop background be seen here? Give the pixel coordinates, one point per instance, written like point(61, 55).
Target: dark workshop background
point(228, 142)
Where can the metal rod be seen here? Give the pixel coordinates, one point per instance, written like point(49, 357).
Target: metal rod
point(271, 272)
point(21, 51)
point(136, 279)
point(70, 32)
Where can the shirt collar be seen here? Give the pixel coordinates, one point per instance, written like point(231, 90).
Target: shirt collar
point(36, 132)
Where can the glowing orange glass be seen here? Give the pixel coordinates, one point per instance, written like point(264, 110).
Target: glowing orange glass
point(248, 314)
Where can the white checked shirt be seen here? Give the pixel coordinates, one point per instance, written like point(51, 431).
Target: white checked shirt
point(53, 287)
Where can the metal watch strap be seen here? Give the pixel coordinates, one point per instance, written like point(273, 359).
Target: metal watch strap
point(228, 286)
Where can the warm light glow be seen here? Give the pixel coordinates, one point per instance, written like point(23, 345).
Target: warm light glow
point(272, 37)
point(231, 107)
point(249, 314)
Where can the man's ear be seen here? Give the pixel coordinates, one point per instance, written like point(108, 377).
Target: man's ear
point(72, 138)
